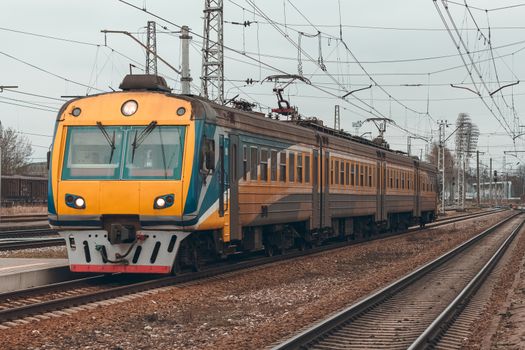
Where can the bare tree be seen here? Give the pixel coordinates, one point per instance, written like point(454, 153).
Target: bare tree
point(16, 150)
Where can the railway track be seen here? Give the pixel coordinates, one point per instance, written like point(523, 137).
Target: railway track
point(30, 243)
point(106, 291)
point(23, 218)
point(20, 239)
point(415, 311)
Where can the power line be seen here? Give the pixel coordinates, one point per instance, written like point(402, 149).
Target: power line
point(458, 46)
point(237, 51)
point(31, 107)
point(49, 72)
point(35, 95)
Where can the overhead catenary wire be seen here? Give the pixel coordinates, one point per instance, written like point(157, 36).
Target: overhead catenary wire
point(241, 53)
point(460, 43)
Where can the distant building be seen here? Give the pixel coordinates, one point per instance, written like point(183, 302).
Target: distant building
point(38, 169)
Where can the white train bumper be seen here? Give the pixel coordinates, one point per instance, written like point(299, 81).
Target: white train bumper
point(153, 252)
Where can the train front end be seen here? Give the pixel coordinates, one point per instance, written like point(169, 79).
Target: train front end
point(120, 171)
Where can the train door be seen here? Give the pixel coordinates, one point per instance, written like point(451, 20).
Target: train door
point(316, 205)
point(235, 224)
point(381, 187)
point(417, 192)
point(325, 190)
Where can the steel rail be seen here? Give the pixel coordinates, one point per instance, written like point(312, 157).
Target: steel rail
point(49, 242)
point(317, 331)
point(28, 244)
point(432, 334)
point(28, 232)
point(47, 306)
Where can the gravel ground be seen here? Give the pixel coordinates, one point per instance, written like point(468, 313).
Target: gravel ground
point(501, 324)
point(249, 309)
point(58, 252)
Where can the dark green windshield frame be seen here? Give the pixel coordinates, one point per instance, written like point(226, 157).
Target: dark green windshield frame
point(158, 156)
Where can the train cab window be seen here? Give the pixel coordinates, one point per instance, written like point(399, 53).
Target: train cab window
point(282, 166)
point(336, 171)
point(264, 165)
point(244, 163)
point(291, 167)
point(342, 173)
point(307, 168)
point(300, 168)
point(347, 173)
point(273, 165)
point(254, 161)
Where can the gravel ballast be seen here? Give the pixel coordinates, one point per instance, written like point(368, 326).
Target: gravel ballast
point(249, 309)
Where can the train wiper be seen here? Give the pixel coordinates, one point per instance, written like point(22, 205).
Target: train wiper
point(111, 140)
point(139, 138)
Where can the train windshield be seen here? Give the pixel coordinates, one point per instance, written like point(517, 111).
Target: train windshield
point(123, 152)
point(154, 152)
point(89, 155)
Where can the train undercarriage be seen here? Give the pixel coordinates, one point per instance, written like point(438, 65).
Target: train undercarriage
point(207, 246)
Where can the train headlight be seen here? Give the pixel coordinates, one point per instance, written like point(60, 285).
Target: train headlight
point(165, 201)
point(129, 108)
point(160, 202)
point(75, 201)
point(80, 203)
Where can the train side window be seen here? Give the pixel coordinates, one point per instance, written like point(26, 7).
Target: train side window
point(254, 161)
point(291, 167)
point(352, 178)
point(299, 168)
point(361, 175)
point(342, 173)
point(244, 163)
point(282, 166)
point(347, 173)
point(332, 172)
point(307, 168)
point(264, 165)
point(273, 165)
point(336, 172)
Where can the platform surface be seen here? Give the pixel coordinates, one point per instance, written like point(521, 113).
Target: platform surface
point(18, 273)
point(10, 266)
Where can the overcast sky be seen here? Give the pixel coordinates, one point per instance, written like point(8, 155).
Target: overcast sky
point(403, 45)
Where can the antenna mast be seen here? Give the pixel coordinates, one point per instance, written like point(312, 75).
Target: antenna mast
point(212, 52)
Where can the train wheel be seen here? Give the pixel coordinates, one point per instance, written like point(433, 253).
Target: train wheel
point(269, 250)
point(177, 267)
point(195, 260)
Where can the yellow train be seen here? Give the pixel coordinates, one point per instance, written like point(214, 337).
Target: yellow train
point(146, 181)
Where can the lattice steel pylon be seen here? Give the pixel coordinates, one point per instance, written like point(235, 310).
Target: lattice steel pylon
point(466, 143)
point(213, 52)
point(151, 52)
point(441, 163)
